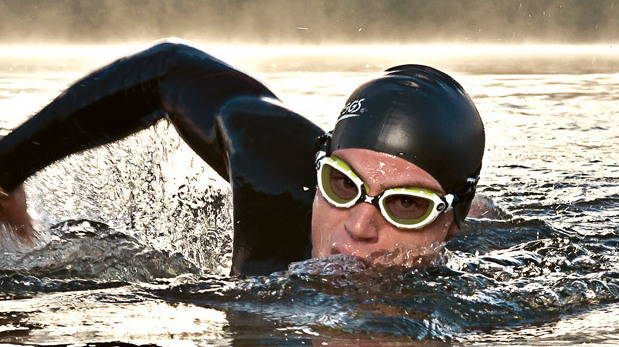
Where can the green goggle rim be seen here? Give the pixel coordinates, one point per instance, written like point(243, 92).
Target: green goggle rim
point(411, 191)
point(341, 165)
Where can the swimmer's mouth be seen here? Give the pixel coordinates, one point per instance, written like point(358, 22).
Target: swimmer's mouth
point(350, 249)
point(337, 249)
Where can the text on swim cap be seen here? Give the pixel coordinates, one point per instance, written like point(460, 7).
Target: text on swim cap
point(352, 107)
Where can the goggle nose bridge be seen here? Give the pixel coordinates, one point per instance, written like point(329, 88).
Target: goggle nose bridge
point(365, 197)
point(374, 200)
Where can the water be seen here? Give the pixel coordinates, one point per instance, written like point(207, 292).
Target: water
point(135, 237)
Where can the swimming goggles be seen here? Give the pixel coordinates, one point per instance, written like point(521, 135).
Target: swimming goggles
point(406, 207)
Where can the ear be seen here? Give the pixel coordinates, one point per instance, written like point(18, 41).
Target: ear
point(453, 231)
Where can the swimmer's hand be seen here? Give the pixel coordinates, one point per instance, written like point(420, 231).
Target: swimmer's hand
point(14, 219)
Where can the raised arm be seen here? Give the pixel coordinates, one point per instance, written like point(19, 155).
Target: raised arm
point(125, 97)
point(228, 118)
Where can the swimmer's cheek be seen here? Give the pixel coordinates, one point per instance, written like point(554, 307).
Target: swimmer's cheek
point(14, 218)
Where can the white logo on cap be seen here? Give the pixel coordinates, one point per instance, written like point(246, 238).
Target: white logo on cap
point(350, 109)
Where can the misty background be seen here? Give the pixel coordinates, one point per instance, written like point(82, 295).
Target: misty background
point(311, 22)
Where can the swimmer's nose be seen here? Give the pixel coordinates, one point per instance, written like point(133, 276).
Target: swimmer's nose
point(362, 223)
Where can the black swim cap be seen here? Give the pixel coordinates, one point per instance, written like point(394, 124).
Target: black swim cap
point(424, 116)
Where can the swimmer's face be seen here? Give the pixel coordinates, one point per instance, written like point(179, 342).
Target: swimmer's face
point(361, 230)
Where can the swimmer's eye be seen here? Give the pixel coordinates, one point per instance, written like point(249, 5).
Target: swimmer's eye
point(406, 206)
point(342, 185)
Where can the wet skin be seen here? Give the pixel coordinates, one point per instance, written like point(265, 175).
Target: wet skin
point(361, 230)
point(14, 217)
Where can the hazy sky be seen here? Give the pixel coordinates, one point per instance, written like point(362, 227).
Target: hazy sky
point(312, 21)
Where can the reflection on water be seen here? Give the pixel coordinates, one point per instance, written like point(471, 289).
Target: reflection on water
point(109, 315)
point(544, 272)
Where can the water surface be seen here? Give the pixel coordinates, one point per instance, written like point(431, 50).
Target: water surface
point(135, 236)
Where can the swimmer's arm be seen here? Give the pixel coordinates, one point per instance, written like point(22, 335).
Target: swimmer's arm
point(232, 121)
point(127, 96)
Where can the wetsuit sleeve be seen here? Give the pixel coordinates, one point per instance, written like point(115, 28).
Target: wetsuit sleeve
point(271, 161)
point(124, 97)
point(228, 118)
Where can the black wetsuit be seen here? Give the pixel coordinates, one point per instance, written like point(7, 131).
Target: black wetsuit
point(228, 118)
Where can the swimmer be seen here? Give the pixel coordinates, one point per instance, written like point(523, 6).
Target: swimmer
point(399, 170)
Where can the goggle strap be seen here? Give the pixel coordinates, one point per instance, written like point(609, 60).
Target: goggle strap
point(323, 143)
point(449, 201)
point(467, 190)
point(319, 156)
point(472, 180)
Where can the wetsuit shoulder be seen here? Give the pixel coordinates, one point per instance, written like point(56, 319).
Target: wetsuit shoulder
point(271, 162)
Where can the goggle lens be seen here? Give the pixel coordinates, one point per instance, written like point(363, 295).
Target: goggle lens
point(337, 185)
point(407, 209)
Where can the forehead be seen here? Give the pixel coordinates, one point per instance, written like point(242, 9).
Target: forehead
point(381, 170)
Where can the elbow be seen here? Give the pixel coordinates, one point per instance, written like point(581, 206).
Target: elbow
point(174, 49)
point(174, 55)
